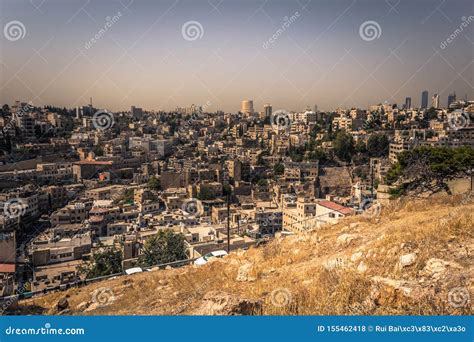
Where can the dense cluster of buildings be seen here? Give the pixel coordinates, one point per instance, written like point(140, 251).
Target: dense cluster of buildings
point(71, 186)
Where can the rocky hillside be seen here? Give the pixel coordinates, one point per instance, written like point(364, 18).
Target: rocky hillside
point(416, 257)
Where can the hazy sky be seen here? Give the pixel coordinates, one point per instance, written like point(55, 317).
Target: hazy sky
point(145, 59)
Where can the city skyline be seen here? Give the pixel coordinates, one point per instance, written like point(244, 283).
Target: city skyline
point(160, 56)
point(263, 108)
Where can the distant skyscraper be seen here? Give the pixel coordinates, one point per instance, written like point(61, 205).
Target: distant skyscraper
point(78, 112)
point(247, 107)
point(136, 112)
point(435, 101)
point(424, 99)
point(451, 98)
point(408, 102)
point(267, 108)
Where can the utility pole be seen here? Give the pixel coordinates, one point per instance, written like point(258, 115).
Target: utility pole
point(372, 179)
point(228, 223)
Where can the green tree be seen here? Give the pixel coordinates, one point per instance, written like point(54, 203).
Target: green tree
point(431, 114)
point(360, 147)
point(206, 194)
point(296, 153)
point(430, 167)
point(126, 197)
point(316, 154)
point(260, 160)
point(344, 146)
point(378, 145)
point(105, 262)
point(226, 190)
point(98, 151)
point(279, 169)
point(154, 183)
point(166, 246)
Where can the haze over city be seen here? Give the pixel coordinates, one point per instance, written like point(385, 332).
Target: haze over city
point(165, 163)
point(240, 51)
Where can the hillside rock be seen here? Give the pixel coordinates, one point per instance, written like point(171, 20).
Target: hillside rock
point(244, 273)
point(220, 303)
point(356, 256)
point(63, 304)
point(437, 268)
point(346, 239)
point(83, 306)
point(407, 260)
point(409, 289)
point(335, 263)
point(362, 267)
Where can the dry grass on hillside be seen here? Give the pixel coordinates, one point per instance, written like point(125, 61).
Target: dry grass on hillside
point(349, 268)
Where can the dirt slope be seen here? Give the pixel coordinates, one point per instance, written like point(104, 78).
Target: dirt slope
point(415, 258)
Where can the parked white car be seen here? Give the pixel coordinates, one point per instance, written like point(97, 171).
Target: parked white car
point(205, 258)
point(133, 270)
